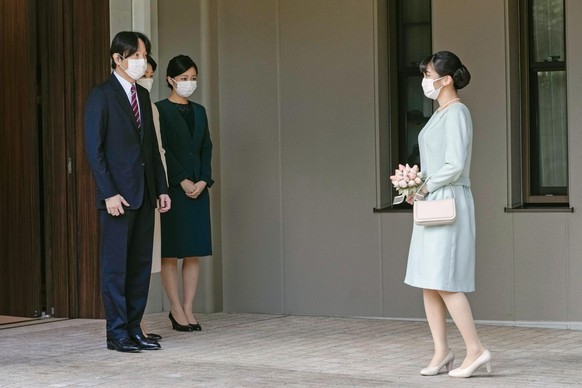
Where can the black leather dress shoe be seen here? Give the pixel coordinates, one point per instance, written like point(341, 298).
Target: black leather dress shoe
point(153, 336)
point(195, 326)
point(143, 343)
point(124, 345)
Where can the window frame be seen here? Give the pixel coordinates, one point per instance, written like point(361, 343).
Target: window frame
point(397, 104)
point(529, 102)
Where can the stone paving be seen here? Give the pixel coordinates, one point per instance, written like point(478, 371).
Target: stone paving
point(254, 350)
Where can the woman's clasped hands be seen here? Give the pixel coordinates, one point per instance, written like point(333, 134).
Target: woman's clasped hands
point(191, 189)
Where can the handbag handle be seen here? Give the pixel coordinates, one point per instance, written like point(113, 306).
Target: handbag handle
point(423, 183)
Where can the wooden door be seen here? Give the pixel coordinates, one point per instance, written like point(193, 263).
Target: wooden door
point(75, 50)
point(20, 218)
point(91, 67)
point(53, 53)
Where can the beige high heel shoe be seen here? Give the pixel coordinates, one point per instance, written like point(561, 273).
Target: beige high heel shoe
point(435, 370)
point(483, 359)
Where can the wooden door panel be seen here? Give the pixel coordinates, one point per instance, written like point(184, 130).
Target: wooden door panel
point(92, 67)
point(20, 220)
point(55, 54)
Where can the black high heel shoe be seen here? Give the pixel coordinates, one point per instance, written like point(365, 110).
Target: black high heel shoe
point(195, 326)
point(176, 326)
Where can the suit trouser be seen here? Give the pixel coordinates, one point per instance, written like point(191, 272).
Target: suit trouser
point(125, 264)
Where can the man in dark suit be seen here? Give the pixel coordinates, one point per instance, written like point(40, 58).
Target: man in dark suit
point(123, 154)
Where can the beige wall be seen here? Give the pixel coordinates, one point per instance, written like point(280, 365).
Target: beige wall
point(297, 131)
point(295, 114)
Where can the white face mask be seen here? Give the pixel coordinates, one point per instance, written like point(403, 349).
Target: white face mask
point(429, 89)
point(146, 83)
point(136, 68)
point(184, 88)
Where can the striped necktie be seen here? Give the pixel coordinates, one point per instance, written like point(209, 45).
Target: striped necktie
point(134, 106)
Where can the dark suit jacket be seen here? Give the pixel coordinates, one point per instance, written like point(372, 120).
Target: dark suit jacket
point(123, 159)
point(187, 156)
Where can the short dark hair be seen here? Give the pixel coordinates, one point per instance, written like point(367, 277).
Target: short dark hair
point(126, 43)
point(153, 63)
point(179, 65)
point(446, 63)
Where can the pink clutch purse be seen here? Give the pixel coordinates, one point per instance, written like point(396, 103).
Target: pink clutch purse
point(434, 212)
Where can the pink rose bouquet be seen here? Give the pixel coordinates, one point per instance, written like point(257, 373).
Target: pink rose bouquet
point(406, 180)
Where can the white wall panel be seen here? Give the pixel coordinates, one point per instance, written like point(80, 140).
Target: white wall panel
point(331, 255)
point(541, 267)
point(250, 163)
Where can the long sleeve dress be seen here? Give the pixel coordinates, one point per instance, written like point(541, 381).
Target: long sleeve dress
point(443, 257)
point(186, 140)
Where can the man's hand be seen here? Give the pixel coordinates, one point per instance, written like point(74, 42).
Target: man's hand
point(115, 205)
point(164, 203)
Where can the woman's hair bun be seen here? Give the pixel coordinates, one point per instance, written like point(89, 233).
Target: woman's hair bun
point(461, 77)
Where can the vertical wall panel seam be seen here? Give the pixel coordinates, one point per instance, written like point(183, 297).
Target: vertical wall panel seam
point(509, 148)
point(206, 61)
point(569, 317)
point(571, 161)
point(280, 135)
point(375, 59)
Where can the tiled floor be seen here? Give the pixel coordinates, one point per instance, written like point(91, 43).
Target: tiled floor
point(249, 350)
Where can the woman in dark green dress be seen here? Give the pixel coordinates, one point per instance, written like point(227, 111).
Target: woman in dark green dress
point(186, 229)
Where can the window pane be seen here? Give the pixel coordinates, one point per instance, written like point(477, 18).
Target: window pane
point(418, 111)
point(414, 44)
point(415, 31)
point(550, 137)
point(415, 11)
point(548, 30)
point(416, 39)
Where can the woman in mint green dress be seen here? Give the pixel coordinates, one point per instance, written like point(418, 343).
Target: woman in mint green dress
point(441, 259)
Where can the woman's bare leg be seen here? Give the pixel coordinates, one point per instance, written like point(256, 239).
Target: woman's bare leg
point(169, 276)
point(460, 310)
point(435, 309)
point(190, 274)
